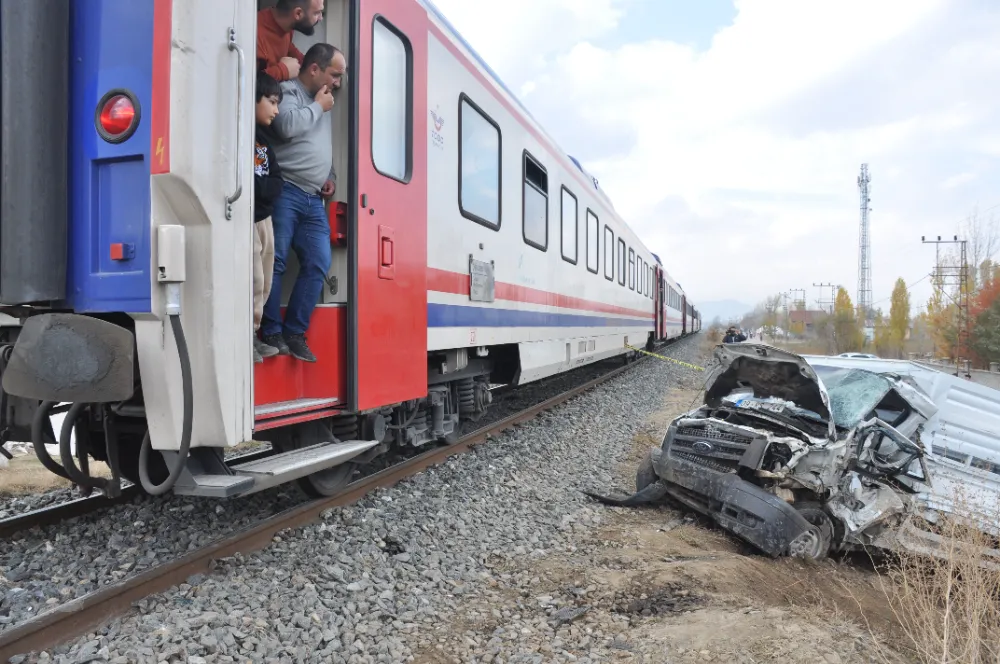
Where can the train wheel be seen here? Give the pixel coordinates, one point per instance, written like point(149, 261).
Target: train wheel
point(328, 482)
point(128, 461)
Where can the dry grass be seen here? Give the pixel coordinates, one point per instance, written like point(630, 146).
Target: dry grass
point(25, 474)
point(945, 608)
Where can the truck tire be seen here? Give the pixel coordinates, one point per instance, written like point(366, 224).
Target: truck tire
point(645, 474)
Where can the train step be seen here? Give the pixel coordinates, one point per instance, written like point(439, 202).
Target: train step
point(253, 476)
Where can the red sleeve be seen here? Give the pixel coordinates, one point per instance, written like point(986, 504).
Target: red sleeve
point(294, 52)
point(278, 70)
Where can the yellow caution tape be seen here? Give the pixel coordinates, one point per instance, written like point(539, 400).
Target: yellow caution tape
point(665, 359)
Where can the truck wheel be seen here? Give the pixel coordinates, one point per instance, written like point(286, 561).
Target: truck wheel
point(646, 474)
point(816, 542)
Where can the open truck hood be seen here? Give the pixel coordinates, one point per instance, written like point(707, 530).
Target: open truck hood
point(771, 372)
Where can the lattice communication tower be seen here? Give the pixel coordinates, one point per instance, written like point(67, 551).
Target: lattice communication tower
point(865, 251)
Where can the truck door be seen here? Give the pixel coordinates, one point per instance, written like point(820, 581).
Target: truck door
point(388, 328)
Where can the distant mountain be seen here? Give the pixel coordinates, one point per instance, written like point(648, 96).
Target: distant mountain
point(725, 310)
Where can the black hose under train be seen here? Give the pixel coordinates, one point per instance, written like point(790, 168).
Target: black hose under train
point(182, 453)
point(38, 424)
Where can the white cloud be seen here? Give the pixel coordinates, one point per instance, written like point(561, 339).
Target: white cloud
point(738, 163)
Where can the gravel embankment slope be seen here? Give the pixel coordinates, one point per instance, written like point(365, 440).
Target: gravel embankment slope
point(369, 582)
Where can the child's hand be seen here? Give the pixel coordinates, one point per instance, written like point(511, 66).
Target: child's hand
point(325, 98)
point(292, 65)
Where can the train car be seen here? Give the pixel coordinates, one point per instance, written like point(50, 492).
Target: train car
point(468, 249)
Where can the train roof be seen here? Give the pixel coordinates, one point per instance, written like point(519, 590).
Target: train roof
point(434, 11)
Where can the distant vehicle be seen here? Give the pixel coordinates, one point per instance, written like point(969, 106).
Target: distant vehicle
point(867, 356)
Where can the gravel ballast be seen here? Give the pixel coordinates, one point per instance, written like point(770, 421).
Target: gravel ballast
point(369, 582)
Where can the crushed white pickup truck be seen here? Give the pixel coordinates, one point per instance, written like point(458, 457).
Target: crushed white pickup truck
point(805, 457)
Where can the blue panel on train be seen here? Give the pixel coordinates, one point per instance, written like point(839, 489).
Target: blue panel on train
point(109, 249)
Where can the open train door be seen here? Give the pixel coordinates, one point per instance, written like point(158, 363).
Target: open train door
point(684, 314)
point(661, 327)
point(388, 325)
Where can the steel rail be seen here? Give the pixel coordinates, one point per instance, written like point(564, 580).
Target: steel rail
point(59, 512)
point(83, 614)
point(51, 514)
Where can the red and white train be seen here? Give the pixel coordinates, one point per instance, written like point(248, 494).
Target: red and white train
point(468, 249)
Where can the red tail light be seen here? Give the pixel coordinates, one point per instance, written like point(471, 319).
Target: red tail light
point(117, 116)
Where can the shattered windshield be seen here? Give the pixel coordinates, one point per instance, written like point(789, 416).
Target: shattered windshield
point(853, 393)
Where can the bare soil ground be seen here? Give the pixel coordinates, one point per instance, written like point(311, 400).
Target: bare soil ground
point(26, 475)
point(662, 586)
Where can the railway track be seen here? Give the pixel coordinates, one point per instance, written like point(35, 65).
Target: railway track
point(80, 615)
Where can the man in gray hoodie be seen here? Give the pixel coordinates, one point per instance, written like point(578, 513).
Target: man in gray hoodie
point(304, 147)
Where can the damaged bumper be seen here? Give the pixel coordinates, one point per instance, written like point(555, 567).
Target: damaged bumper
point(744, 509)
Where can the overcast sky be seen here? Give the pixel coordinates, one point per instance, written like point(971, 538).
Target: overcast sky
point(730, 133)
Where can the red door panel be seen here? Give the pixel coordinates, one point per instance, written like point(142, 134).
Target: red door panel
point(391, 314)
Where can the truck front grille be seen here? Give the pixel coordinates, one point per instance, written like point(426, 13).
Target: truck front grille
point(710, 447)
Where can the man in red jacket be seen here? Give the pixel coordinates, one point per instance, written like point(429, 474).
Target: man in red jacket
point(276, 54)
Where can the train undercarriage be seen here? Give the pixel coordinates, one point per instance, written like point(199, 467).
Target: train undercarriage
point(321, 453)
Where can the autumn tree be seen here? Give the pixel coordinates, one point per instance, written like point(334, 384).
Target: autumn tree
point(847, 332)
point(941, 320)
point(982, 236)
point(899, 317)
point(771, 305)
point(984, 315)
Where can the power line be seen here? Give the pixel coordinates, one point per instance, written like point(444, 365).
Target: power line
point(908, 288)
point(955, 275)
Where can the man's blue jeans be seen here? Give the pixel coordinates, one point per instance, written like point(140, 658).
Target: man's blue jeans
point(300, 223)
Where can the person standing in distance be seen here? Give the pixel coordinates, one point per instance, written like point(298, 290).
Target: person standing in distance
point(276, 54)
point(304, 147)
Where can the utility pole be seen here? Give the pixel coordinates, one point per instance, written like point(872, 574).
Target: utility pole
point(833, 295)
point(955, 275)
point(802, 300)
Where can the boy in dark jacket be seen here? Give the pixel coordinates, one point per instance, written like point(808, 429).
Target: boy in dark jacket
point(267, 186)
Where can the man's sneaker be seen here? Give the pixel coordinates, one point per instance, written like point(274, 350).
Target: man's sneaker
point(262, 349)
point(257, 359)
point(299, 348)
point(276, 341)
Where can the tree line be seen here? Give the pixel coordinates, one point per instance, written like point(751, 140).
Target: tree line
point(942, 330)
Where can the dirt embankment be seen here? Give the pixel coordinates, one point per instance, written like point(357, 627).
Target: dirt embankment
point(657, 585)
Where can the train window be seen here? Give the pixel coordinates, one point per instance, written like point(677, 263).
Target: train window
point(570, 227)
point(631, 268)
point(609, 254)
point(621, 262)
point(392, 97)
point(478, 165)
point(593, 229)
point(535, 203)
